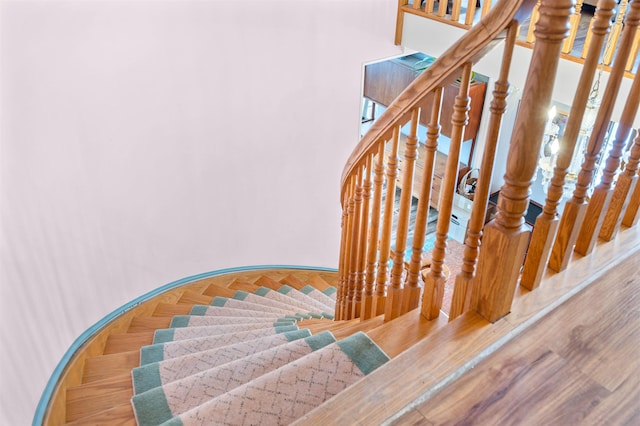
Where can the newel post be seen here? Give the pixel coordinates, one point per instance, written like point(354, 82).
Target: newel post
point(506, 237)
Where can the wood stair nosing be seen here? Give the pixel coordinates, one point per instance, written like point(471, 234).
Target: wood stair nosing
point(125, 342)
point(215, 290)
point(119, 415)
point(105, 366)
point(346, 330)
point(194, 298)
point(318, 282)
point(91, 398)
point(141, 324)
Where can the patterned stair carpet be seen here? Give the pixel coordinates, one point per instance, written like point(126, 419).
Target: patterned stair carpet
point(243, 360)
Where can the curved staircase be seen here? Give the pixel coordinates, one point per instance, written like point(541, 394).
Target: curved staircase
point(241, 348)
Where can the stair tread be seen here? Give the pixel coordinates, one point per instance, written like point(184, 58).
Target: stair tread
point(91, 398)
point(120, 415)
point(294, 282)
point(125, 342)
point(194, 297)
point(104, 366)
point(170, 310)
point(216, 290)
point(243, 285)
point(141, 324)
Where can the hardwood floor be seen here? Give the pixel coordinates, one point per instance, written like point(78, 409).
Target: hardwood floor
point(578, 366)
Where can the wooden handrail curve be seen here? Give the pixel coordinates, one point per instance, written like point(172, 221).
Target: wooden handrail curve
point(471, 47)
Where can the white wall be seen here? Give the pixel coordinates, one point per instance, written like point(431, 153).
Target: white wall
point(142, 142)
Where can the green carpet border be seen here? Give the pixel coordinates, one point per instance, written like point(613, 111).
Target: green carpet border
point(47, 393)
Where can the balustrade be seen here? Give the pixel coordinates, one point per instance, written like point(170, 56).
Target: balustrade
point(381, 264)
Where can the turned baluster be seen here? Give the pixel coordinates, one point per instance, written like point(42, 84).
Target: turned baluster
point(456, 7)
point(575, 209)
point(546, 225)
point(535, 15)
point(442, 8)
point(435, 279)
point(505, 238)
point(471, 11)
point(374, 229)
point(385, 239)
point(622, 194)
point(634, 52)
point(574, 22)
point(411, 296)
point(428, 7)
point(355, 244)
point(486, 7)
point(348, 235)
point(342, 269)
point(631, 215)
point(363, 234)
point(611, 221)
point(394, 292)
point(612, 44)
point(462, 288)
point(601, 197)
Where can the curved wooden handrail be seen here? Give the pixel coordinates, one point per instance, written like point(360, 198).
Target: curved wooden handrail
point(478, 41)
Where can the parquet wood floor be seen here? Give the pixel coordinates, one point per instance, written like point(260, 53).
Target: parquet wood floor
point(578, 366)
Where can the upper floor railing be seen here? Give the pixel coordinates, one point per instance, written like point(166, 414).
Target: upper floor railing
point(381, 274)
point(465, 13)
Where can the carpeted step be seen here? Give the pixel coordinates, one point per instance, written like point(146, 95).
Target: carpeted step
point(251, 306)
point(162, 351)
point(199, 320)
point(185, 333)
point(305, 303)
point(300, 296)
point(319, 296)
point(88, 399)
point(220, 311)
point(289, 392)
point(162, 403)
point(156, 374)
point(331, 292)
point(291, 308)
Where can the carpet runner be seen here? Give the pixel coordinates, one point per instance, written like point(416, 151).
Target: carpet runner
point(216, 366)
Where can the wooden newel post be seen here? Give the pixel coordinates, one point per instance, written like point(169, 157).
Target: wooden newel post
point(506, 237)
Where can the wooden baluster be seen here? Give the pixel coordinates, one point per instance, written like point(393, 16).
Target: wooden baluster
point(442, 8)
point(417, 4)
point(342, 269)
point(394, 292)
point(631, 215)
point(625, 187)
point(612, 217)
point(505, 238)
point(601, 197)
point(347, 246)
point(368, 310)
point(574, 22)
point(428, 7)
point(355, 245)
point(634, 52)
point(471, 11)
point(435, 279)
point(486, 7)
point(387, 224)
point(616, 30)
point(546, 225)
point(574, 211)
point(462, 288)
point(455, 10)
point(363, 234)
point(535, 15)
point(400, 21)
point(411, 296)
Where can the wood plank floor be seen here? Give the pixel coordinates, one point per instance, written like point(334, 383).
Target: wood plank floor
point(578, 366)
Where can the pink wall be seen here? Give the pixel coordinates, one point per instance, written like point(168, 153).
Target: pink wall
point(142, 142)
